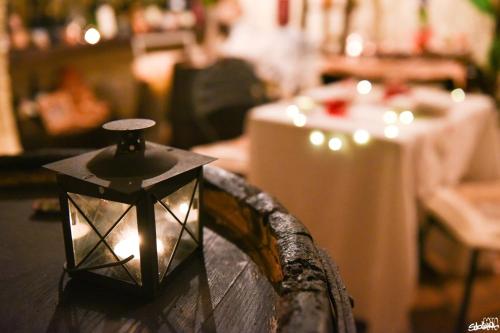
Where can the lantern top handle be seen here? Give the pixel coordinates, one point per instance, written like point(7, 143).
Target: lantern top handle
point(126, 125)
point(131, 130)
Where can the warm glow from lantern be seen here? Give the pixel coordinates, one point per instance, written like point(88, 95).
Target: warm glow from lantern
point(79, 230)
point(390, 117)
point(361, 136)
point(335, 144)
point(128, 246)
point(364, 87)
point(184, 207)
point(159, 247)
point(391, 131)
point(354, 45)
point(458, 95)
point(317, 138)
point(92, 36)
point(299, 120)
point(406, 117)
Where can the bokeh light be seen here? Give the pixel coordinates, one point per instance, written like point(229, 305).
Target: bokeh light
point(317, 138)
point(390, 117)
point(335, 144)
point(406, 117)
point(364, 87)
point(354, 45)
point(92, 36)
point(458, 95)
point(299, 120)
point(391, 131)
point(361, 136)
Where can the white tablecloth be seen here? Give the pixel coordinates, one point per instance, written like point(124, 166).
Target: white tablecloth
point(361, 203)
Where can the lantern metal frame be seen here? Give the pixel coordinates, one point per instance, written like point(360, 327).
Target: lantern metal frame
point(74, 176)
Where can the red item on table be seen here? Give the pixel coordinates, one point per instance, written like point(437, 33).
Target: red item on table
point(336, 107)
point(393, 89)
point(422, 39)
point(283, 9)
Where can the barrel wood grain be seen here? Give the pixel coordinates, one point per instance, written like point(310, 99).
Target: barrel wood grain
point(305, 278)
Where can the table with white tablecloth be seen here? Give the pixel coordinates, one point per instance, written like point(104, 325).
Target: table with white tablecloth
point(361, 202)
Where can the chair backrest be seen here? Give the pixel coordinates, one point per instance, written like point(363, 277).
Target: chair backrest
point(222, 94)
point(210, 104)
point(227, 83)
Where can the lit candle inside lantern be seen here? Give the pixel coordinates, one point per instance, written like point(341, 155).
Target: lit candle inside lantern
point(130, 246)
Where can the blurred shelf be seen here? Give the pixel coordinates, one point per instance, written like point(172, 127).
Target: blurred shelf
point(35, 55)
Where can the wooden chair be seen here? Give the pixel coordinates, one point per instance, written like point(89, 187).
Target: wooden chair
point(223, 93)
point(210, 104)
point(470, 213)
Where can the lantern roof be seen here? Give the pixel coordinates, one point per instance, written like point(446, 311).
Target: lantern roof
point(133, 164)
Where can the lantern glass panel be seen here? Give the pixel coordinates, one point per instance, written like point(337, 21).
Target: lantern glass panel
point(115, 236)
point(167, 233)
point(173, 225)
point(192, 222)
point(186, 246)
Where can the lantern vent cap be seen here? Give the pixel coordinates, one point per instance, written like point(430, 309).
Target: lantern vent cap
point(133, 163)
point(132, 157)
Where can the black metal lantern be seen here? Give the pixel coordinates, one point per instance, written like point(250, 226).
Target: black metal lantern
point(131, 211)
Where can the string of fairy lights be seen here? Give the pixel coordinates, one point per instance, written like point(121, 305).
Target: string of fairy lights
point(335, 142)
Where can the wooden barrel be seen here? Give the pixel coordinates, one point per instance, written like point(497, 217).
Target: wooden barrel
point(306, 280)
point(259, 271)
